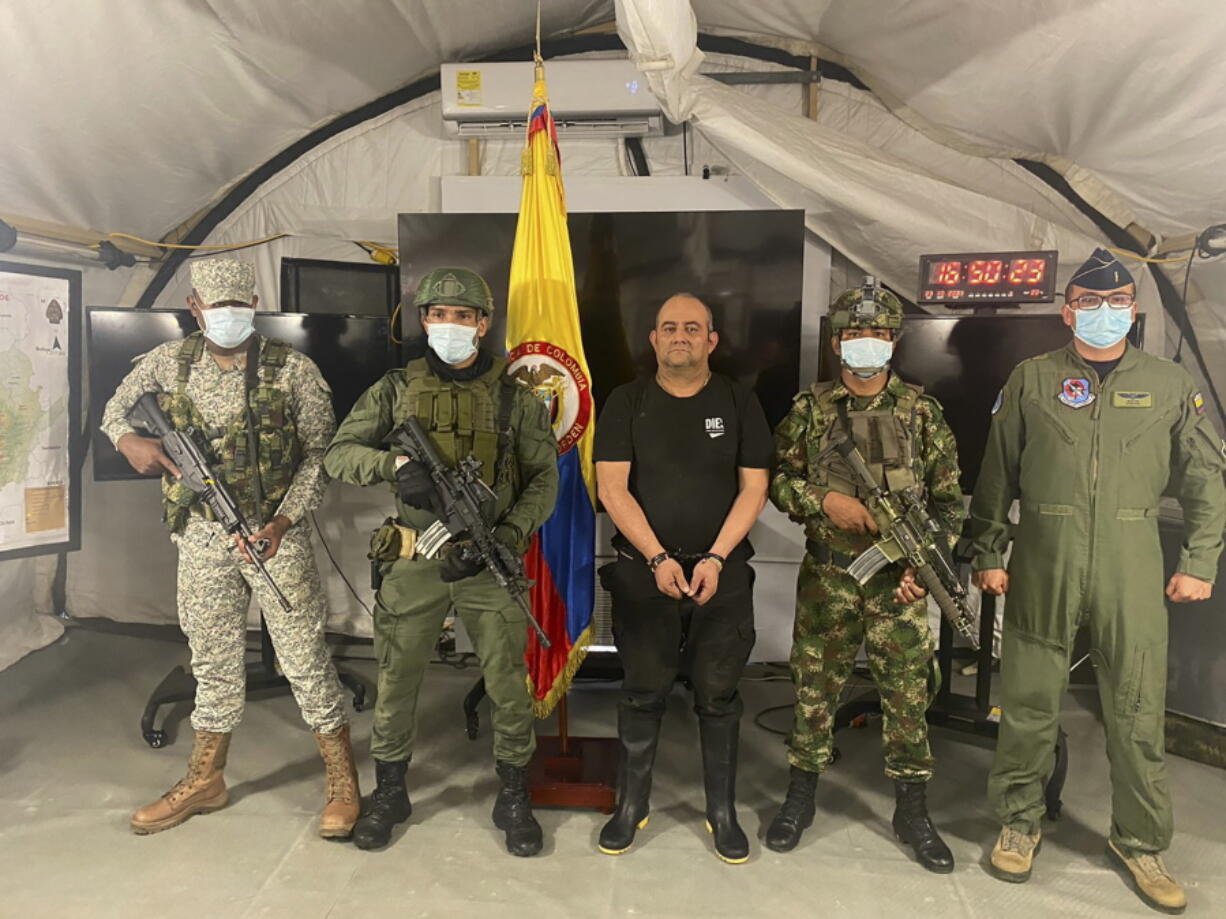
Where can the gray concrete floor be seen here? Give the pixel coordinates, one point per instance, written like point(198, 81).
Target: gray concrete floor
point(73, 766)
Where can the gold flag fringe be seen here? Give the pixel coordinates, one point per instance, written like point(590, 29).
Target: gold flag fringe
point(542, 708)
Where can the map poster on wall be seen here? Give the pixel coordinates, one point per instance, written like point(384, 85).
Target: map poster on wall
point(40, 404)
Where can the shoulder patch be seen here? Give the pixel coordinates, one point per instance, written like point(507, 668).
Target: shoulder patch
point(1198, 404)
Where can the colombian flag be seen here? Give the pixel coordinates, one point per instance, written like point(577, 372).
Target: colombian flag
point(546, 353)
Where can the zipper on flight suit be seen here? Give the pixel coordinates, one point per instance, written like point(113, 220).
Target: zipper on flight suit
point(1094, 446)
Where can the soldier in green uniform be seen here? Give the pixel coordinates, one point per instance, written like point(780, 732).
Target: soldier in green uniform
point(903, 437)
point(465, 399)
point(1087, 439)
point(267, 415)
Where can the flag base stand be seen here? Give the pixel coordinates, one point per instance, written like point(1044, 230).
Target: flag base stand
point(576, 772)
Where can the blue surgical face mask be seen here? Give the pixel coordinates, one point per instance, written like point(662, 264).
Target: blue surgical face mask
point(228, 326)
point(452, 342)
point(1102, 327)
point(866, 357)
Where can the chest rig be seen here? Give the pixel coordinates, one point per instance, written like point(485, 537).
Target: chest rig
point(884, 437)
point(257, 450)
point(470, 418)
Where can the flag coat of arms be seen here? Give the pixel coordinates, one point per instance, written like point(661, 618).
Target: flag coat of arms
point(546, 354)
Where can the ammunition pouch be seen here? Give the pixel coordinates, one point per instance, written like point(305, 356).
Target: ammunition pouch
point(391, 541)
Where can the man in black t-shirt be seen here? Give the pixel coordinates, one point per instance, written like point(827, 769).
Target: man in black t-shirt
point(682, 463)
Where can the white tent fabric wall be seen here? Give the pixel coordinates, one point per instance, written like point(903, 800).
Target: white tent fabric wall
point(869, 202)
point(163, 105)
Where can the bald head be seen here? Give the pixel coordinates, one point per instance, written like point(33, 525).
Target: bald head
point(683, 304)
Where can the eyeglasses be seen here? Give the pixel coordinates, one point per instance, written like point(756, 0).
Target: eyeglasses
point(1094, 301)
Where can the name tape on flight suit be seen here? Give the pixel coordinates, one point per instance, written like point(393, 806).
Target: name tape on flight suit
point(1132, 400)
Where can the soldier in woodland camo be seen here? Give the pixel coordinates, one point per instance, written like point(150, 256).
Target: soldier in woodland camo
point(903, 437)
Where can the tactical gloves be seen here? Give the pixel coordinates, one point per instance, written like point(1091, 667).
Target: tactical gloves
point(461, 561)
point(414, 486)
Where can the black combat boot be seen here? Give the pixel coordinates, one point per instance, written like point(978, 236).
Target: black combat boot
point(513, 811)
point(638, 732)
point(797, 812)
point(912, 826)
point(719, 736)
point(389, 805)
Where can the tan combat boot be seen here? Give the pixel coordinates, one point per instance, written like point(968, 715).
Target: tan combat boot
point(201, 791)
point(1014, 854)
point(343, 798)
point(1153, 882)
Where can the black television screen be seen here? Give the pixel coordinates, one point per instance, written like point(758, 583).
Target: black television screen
point(310, 285)
point(352, 353)
point(963, 361)
point(746, 265)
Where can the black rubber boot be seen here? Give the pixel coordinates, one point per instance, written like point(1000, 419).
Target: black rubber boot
point(389, 805)
point(513, 811)
point(638, 732)
point(719, 738)
point(912, 826)
point(796, 814)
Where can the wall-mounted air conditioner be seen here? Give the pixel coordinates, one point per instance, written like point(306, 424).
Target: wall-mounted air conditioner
point(603, 98)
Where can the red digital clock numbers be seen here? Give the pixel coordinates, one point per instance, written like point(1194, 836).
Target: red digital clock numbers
point(1004, 277)
point(1020, 271)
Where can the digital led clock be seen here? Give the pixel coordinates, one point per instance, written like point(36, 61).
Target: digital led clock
point(983, 278)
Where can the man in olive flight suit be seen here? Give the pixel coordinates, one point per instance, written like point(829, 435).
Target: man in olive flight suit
point(903, 436)
point(235, 386)
point(1087, 439)
point(465, 399)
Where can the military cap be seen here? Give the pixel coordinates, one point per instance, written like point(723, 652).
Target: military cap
point(869, 306)
point(454, 287)
point(1101, 271)
point(217, 280)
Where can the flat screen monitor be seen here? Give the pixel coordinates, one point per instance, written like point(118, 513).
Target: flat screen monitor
point(352, 352)
point(963, 361)
point(746, 265)
point(310, 285)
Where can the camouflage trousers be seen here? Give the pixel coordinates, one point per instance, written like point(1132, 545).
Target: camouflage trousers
point(834, 614)
point(215, 589)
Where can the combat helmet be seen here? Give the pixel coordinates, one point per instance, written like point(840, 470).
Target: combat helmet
point(869, 306)
point(454, 287)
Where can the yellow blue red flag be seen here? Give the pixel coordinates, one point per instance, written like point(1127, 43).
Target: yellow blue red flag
point(546, 353)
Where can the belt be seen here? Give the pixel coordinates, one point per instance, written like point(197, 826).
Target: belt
point(824, 555)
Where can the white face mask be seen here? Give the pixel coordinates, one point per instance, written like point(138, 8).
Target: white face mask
point(452, 342)
point(861, 355)
point(228, 326)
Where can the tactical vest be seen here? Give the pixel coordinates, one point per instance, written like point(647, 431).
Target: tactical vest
point(251, 476)
point(885, 438)
point(469, 418)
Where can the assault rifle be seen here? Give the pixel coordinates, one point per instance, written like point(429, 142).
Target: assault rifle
point(197, 474)
point(461, 496)
point(909, 534)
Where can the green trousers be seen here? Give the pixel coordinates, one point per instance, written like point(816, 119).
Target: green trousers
point(834, 614)
point(1116, 587)
point(409, 611)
